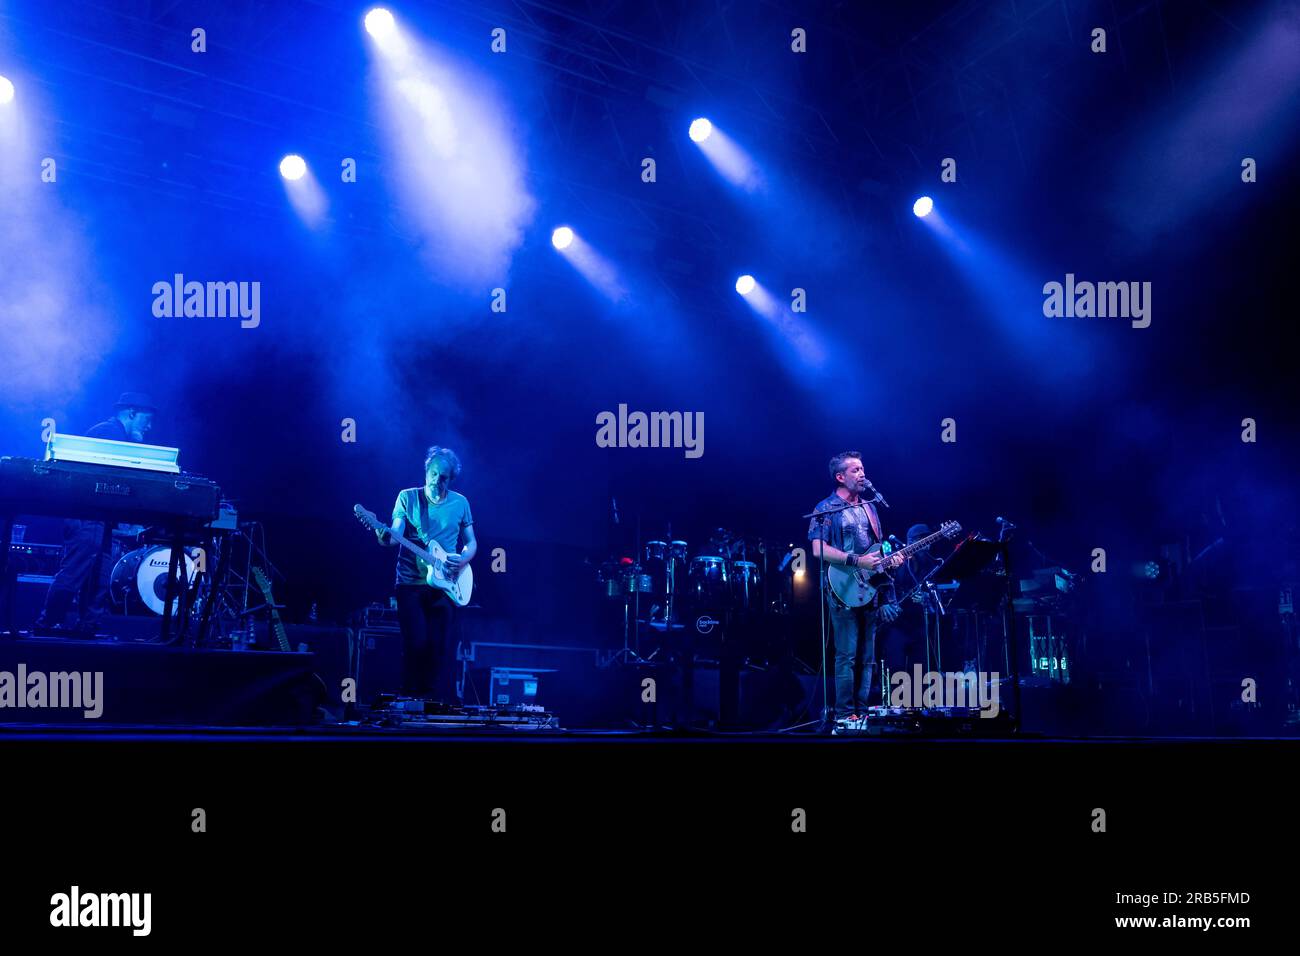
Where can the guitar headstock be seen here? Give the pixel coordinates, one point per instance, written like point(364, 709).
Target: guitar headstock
point(950, 529)
point(367, 518)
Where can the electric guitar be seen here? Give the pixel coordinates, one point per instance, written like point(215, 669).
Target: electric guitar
point(857, 587)
point(277, 626)
point(432, 561)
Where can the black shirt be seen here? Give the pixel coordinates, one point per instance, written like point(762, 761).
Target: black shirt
point(849, 530)
point(113, 428)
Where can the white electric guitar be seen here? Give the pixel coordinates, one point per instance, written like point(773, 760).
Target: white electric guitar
point(431, 561)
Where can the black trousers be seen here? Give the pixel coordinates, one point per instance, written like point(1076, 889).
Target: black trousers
point(76, 584)
point(425, 616)
point(903, 644)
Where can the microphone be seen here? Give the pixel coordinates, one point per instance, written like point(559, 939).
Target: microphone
point(876, 492)
point(1005, 523)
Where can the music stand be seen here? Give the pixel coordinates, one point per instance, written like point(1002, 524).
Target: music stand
point(971, 557)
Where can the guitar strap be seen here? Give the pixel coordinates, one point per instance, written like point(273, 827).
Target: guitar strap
point(875, 520)
point(421, 504)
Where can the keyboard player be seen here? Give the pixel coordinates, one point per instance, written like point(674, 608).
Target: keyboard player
point(88, 552)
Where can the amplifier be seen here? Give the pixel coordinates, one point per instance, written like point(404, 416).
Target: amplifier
point(503, 686)
point(572, 676)
point(28, 559)
point(381, 616)
point(379, 663)
point(227, 519)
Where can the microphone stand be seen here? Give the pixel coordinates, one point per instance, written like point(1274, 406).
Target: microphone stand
point(821, 602)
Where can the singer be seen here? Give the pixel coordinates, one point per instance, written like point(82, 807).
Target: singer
point(844, 538)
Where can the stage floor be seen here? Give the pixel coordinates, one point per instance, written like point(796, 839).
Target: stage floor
point(633, 737)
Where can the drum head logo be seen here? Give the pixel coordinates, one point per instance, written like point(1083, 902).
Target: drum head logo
point(705, 624)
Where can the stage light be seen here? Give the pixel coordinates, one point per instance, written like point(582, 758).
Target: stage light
point(745, 284)
point(6, 90)
point(379, 23)
point(923, 206)
point(562, 238)
point(700, 129)
point(293, 167)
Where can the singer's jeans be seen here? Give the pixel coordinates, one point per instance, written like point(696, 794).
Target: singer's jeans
point(854, 632)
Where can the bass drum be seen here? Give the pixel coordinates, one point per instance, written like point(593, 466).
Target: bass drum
point(139, 581)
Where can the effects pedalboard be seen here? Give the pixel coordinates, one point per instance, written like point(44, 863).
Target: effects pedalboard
point(927, 722)
point(426, 714)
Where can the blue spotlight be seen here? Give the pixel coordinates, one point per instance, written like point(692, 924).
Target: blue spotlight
point(923, 206)
point(379, 23)
point(700, 130)
point(562, 238)
point(745, 284)
point(293, 167)
point(6, 90)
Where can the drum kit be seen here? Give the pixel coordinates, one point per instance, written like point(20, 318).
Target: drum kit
point(138, 584)
point(669, 589)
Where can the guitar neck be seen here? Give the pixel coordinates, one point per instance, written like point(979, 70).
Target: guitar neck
point(264, 585)
point(921, 543)
point(280, 635)
point(422, 553)
point(415, 549)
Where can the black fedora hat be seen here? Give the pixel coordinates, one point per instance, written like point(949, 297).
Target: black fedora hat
point(140, 401)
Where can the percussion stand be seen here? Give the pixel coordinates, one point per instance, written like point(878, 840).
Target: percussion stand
point(636, 594)
point(670, 572)
point(626, 654)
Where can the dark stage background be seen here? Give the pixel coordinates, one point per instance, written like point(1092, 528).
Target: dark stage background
point(1088, 433)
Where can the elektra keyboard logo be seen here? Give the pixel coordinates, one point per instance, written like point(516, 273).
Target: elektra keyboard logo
point(81, 690)
point(1101, 300)
point(651, 430)
point(102, 909)
point(209, 300)
point(973, 689)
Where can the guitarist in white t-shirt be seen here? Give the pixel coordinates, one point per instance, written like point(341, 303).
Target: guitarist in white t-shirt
point(421, 515)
